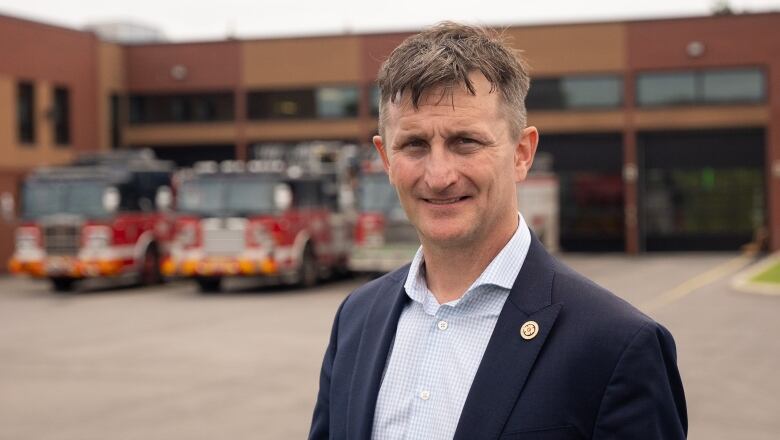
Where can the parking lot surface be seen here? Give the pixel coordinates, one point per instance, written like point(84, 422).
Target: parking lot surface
point(170, 363)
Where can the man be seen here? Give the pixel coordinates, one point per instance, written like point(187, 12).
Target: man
point(484, 335)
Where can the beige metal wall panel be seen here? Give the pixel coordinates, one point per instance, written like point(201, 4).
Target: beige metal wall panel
point(303, 130)
point(177, 134)
point(112, 66)
point(111, 80)
point(301, 62)
point(701, 117)
point(587, 48)
point(44, 102)
point(577, 122)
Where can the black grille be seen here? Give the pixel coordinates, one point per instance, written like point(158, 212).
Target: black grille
point(61, 239)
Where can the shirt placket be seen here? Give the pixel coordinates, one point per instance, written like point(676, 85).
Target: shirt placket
point(429, 406)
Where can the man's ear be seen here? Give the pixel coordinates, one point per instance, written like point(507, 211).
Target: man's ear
point(382, 150)
point(525, 151)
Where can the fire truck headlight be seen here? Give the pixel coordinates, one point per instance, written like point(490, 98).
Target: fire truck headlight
point(96, 237)
point(26, 239)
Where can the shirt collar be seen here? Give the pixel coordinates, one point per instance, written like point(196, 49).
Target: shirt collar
point(501, 272)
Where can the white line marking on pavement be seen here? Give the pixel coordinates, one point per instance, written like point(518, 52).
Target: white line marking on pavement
point(697, 282)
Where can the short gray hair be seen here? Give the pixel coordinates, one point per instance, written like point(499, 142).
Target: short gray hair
point(445, 55)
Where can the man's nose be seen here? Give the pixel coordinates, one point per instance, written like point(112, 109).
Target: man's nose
point(440, 172)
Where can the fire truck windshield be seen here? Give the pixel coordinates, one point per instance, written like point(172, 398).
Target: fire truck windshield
point(220, 196)
point(377, 195)
point(79, 197)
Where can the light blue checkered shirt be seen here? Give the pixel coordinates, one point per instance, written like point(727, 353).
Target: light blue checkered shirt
point(438, 348)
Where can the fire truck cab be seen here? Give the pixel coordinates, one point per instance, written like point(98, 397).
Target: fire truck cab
point(384, 239)
point(100, 217)
point(278, 219)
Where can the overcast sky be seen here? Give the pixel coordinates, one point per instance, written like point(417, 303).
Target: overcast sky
point(183, 20)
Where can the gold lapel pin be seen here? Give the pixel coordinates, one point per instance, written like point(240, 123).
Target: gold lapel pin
point(529, 330)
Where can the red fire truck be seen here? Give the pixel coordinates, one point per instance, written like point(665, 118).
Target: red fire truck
point(384, 239)
point(100, 217)
point(279, 218)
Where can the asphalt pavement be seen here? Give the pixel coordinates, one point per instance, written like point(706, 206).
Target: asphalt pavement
point(169, 363)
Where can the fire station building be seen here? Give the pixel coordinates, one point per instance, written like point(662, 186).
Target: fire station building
point(664, 134)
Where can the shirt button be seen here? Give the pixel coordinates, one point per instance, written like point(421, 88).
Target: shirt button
point(442, 325)
point(425, 395)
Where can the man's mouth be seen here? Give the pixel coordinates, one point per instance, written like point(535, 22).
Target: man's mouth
point(447, 201)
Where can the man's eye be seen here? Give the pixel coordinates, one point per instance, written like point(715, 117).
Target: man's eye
point(467, 144)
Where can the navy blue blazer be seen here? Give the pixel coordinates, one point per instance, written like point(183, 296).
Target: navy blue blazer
point(597, 369)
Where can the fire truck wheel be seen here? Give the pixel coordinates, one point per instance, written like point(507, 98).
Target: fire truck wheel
point(209, 285)
point(308, 272)
point(150, 268)
point(62, 284)
point(342, 269)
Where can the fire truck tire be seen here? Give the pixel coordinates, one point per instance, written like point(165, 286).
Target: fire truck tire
point(150, 267)
point(62, 284)
point(342, 269)
point(308, 273)
point(210, 284)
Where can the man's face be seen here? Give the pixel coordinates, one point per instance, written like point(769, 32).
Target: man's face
point(455, 163)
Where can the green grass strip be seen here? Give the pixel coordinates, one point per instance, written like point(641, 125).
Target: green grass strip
point(769, 275)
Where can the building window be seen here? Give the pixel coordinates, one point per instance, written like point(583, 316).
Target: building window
point(666, 89)
point(738, 85)
point(575, 93)
point(282, 104)
point(323, 102)
point(704, 87)
point(61, 116)
point(201, 107)
point(25, 116)
point(337, 102)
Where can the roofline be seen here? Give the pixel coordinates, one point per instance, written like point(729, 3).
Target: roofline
point(406, 31)
point(60, 27)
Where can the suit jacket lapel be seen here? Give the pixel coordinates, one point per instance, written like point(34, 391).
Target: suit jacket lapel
point(509, 358)
point(378, 333)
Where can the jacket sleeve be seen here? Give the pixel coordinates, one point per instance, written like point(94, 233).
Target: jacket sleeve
point(320, 423)
point(644, 398)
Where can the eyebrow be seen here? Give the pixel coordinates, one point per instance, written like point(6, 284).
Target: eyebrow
point(401, 139)
point(466, 134)
point(458, 133)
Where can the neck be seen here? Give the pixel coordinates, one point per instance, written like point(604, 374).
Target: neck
point(450, 270)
